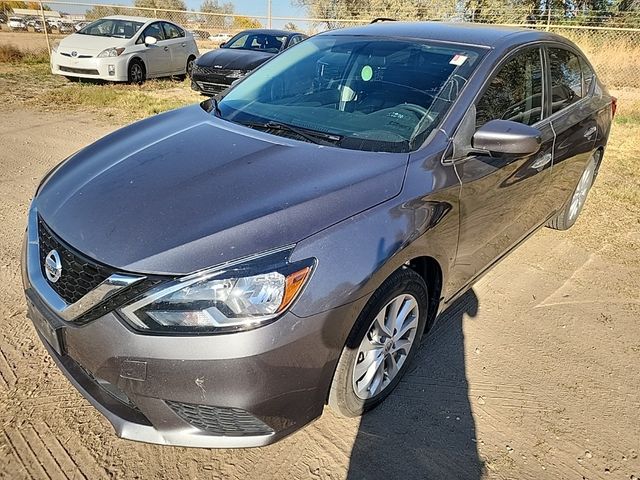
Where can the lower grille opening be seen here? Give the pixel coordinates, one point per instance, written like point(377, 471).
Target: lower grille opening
point(221, 421)
point(86, 71)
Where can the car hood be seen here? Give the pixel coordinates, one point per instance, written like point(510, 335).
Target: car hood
point(234, 59)
point(184, 191)
point(90, 43)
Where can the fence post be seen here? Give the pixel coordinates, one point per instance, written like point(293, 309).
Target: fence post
point(548, 15)
point(268, 13)
point(46, 30)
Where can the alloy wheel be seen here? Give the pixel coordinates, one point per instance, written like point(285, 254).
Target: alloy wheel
point(136, 73)
point(584, 185)
point(384, 349)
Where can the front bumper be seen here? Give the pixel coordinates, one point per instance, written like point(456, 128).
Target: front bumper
point(223, 391)
point(109, 68)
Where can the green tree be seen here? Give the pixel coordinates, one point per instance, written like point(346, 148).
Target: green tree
point(213, 6)
point(242, 23)
point(215, 11)
point(162, 9)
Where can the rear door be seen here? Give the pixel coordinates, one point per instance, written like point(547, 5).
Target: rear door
point(573, 118)
point(502, 197)
point(175, 39)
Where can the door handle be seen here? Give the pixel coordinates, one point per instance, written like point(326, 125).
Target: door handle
point(541, 161)
point(590, 131)
point(184, 44)
point(166, 49)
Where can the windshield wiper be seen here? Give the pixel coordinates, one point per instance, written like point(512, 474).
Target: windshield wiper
point(313, 136)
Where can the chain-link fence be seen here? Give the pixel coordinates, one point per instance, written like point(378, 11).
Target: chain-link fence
point(611, 39)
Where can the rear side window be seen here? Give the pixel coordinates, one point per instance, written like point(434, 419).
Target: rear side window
point(515, 93)
point(171, 31)
point(587, 75)
point(566, 78)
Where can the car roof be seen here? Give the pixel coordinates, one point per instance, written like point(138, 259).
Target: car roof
point(271, 31)
point(461, 32)
point(134, 19)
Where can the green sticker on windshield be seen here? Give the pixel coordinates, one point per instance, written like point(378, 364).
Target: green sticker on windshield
point(366, 73)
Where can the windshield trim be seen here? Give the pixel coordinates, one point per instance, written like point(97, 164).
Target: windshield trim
point(409, 38)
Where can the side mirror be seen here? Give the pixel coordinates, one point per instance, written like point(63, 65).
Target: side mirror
point(150, 40)
point(222, 44)
point(505, 136)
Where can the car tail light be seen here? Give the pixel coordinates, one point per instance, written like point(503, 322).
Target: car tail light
point(614, 106)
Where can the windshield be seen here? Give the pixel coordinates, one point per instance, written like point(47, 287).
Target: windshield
point(361, 93)
point(263, 42)
point(108, 27)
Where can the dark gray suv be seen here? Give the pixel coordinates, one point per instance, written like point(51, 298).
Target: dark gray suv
point(213, 276)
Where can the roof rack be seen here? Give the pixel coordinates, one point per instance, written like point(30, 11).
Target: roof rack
point(383, 19)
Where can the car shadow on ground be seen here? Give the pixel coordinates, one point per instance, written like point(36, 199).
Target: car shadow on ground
point(425, 429)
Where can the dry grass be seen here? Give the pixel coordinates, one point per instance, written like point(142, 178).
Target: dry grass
point(25, 78)
point(127, 102)
point(9, 53)
point(615, 55)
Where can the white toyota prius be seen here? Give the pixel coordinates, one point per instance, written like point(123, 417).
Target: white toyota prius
point(125, 49)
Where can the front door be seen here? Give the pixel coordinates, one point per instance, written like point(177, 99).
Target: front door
point(502, 197)
point(158, 56)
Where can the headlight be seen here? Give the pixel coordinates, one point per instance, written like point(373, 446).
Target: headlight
point(236, 74)
point(54, 47)
point(218, 301)
point(111, 52)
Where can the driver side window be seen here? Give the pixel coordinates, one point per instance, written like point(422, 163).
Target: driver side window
point(154, 30)
point(515, 93)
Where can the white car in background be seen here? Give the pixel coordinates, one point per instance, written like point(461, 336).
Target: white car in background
point(16, 23)
point(125, 49)
point(220, 38)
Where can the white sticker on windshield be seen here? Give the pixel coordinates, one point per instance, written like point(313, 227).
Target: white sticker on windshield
point(458, 60)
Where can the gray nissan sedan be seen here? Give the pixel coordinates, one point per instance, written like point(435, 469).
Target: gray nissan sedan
point(215, 275)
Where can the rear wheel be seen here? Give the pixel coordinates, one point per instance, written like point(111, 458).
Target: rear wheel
point(188, 69)
point(381, 345)
point(566, 218)
point(136, 72)
point(190, 63)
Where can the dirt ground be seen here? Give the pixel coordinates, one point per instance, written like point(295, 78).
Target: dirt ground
point(532, 375)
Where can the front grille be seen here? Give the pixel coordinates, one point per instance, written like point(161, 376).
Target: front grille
point(231, 422)
point(79, 274)
point(216, 72)
point(85, 71)
point(213, 88)
point(77, 56)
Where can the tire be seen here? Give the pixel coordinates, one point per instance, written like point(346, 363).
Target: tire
point(351, 396)
point(567, 217)
point(136, 73)
point(188, 69)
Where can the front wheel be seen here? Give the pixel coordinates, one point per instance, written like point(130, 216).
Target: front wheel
point(381, 345)
point(136, 72)
point(567, 217)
